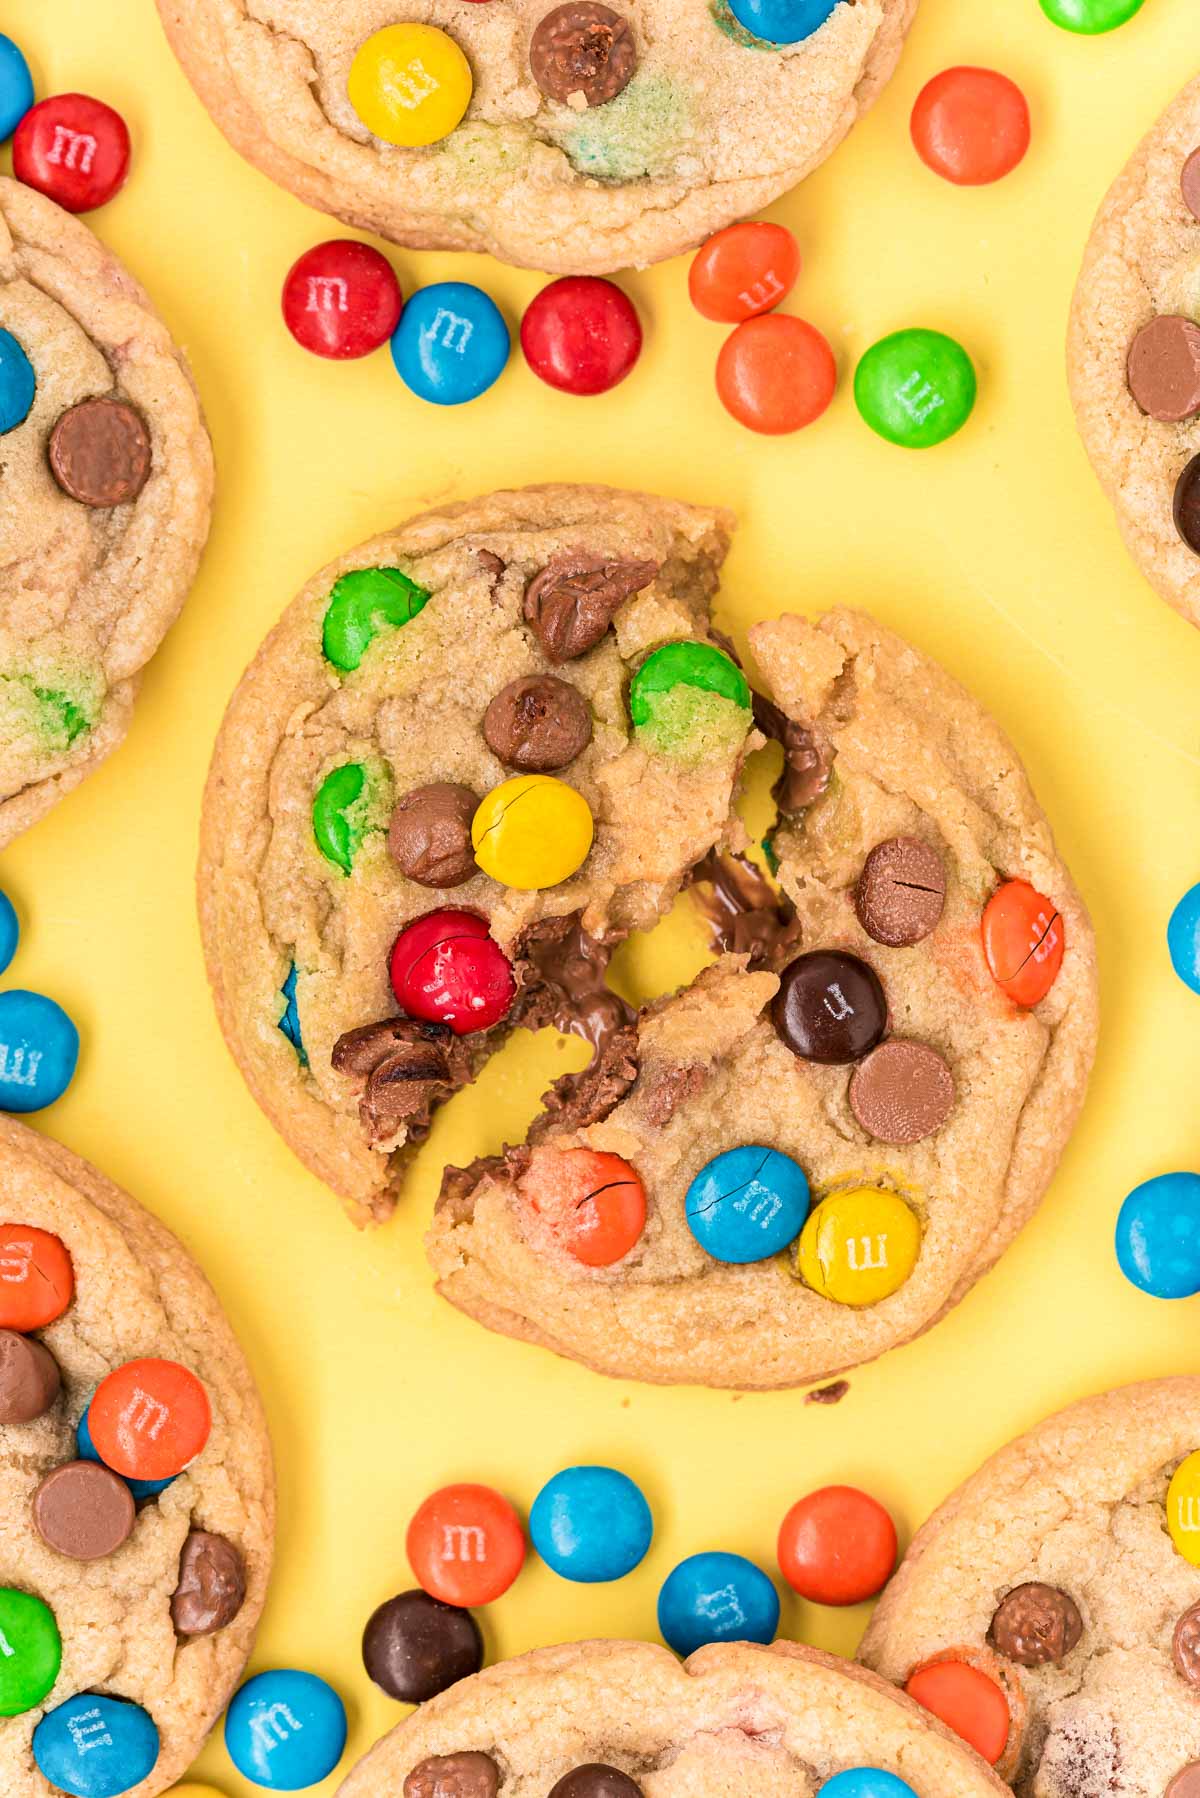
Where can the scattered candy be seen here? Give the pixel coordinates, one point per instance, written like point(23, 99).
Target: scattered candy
point(591, 1524)
point(39, 1051)
point(537, 724)
point(465, 1545)
point(859, 1246)
point(149, 1419)
point(747, 1205)
point(96, 1746)
point(29, 1378)
point(966, 1701)
point(837, 1546)
point(18, 383)
point(866, 1782)
point(716, 1598)
point(285, 1729)
point(341, 299)
point(211, 1589)
point(32, 1653)
point(830, 1007)
point(782, 21)
point(342, 814)
point(744, 270)
point(689, 700)
point(581, 335)
point(37, 1280)
point(414, 1647)
point(1183, 939)
point(446, 969)
point(1158, 1236)
point(430, 834)
point(902, 1092)
point(593, 1202)
point(582, 50)
point(901, 892)
point(1185, 507)
point(971, 125)
point(16, 87)
point(83, 1511)
point(410, 84)
point(1183, 1509)
point(99, 453)
point(776, 374)
point(10, 931)
point(86, 1450)
point(451, 344)
point(1163, 368)
point(916, 388)
point(73, 148)
point(1023, 942)
point(1090, 17)
point(532, 832)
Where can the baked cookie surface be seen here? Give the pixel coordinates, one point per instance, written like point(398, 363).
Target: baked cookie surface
point(108, 486)
point(198, 1552)
point(1066, 1569)
point(1134, 353)
point(758, 1722)
point(691, 124)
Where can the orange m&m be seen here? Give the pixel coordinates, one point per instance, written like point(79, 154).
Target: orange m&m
point(776, 374)
point(148, 1419)
point(837, 1546)
point(594, 1202)
point(744, 270)
point(37, 1281)
point(966, 1701)
point(465, 1545)
point(971, 125)
point(1023, 942)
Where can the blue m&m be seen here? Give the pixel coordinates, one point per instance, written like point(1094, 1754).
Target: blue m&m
point(96, 1746)
point(1158, 1236)
point(289, 1023)
point(86, 1450)
point(591, 1524)
point(285, 1729)
point(451, 344)
point(39, 1048)
point(782, 21)
point(866, 1782)
point(1183, 939)
point(16, 87)
point(717, 1598)
point(747, 1204)
point(10, 931)
point(18, 383)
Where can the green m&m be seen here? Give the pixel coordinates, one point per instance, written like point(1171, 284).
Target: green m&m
point(688, 700)
point(343, 812)
point(30, 1651)
point(1090, 17)
point(362, 604)
point(915, 388)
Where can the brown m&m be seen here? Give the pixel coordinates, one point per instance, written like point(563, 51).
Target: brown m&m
point(596, 1781)
point(100, 453)
point(570, 604)
point(583, 50)
point(430, 834)
point(901, 892)
point(1163, 369)
point(414, 1646)
point(83, 1510)
point(469, 1775)
point(902, 1092)
point(830, 1007)
point(29, 1378)
point(1036, 1625)
point(212, 1585)
point(537, 724)
point(1185, 1646)
point(1187, 505)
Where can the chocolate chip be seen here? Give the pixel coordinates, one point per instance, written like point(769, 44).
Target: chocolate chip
point(1163, 368)
point(454, 1776)
point(902, 1092)
point(83, 1510)
point(1185, 1649)
point(100, 453)
point(407, 1066)
point(1187, 505)
point(1189, 182)
point(1186, 1783)
point(537, 724)
point(575, 598)
point(212, 1585)
point(596, 1781)
point(414, 1647)
point(430, 834)
point(29, 1379)
point(830, 1007)
point(1036, 1625)
point(901, 892)
point(583, 49)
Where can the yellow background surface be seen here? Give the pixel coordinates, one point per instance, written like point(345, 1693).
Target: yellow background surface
point(996, 553)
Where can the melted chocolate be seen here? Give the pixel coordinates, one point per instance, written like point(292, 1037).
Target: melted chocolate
point(807, 762)
point(561, 981)
point(745, 914)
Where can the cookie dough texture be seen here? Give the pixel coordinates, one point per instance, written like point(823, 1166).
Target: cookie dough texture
point(86, 594)
point(1143, 259)
point(756, 1722)
point(714, 124)
point(1077, 1504)
point(137, 1293)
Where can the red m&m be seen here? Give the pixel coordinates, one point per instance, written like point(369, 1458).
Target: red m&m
point(1023, 942)
point(73, 148)
point(744, 270)
point(446, 969)
point(837, 1546)
point(776, 374)
point(465, 1545)
point(581, 335)
point(594, 1202)
point(342, 299)
point(37, 1280)
point(966, 1701)
point(971, 125)
point(149, 1418)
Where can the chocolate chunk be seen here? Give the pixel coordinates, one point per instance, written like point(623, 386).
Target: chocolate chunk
point(408, 1068)
point(901, 892)
point(1036, 1625)
point(460, 1184)
point(902, 1092)
point(538, 724)
point(493, 566)
point(1189, 182)
point(29, 1378)
point(832, 1394)
point(414, 1646)
point(454, 1776)
point(1185, 1649)
point(562, 980)
point(1187, 505)
point(596, 1781)
point(100, 453)
point(1163, 368)
point(583, 49)
point(1186, 1783)
point(212, 1585)
point(665, 1089)
point(830, 1007)
point(575, 598)
point(807, 763)
point(430, 834)
point(83, 1510)
point(745, 914)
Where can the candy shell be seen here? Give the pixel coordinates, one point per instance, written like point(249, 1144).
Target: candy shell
point(74, 149)
point(149, 1418)
point(18, 384)
point(532, 832)
point(744, 270)
point(1090, 17)
point(451, 344)
point(466, 1545)
point(362, 604)
point(866, 1782)
point(32, 1651)
point(1183, 1508)
point(915, 388)
point(86, 1450)
point(341, 299)
point(16, 87)
point(837, 1546)
point(593, 1202)
point(10, 931)
point(1158, 1236)
point(1023, 941)
point(446, 969)
point(410, 84)
point(96, 1746)
point(967, 1701)
point(782, 21)
point(859, 1246)
point(37, 1279)
point(1183, 939)
point(285, 1729)
point(716, 1598)
point(747, 1204)
point(591, 1524)
point(581, 335)
point(39, 1051)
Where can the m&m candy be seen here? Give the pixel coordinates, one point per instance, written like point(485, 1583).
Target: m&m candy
point(362, 604)
point(148, 1419)
point(690, 701)
point(10, 931)
point(915, 388)
point(86, 1450)
point(837, 1546)
point(581, 334)
point(289, 1022)
point(37, 1280)
point(776, 374)
point(16, 87)
point(1023, 942)
point(451, 344)
point(747, 1204)
point(1158, 1236)
point(414, 1646)
point(1090, 17)
point(782, 21)
point(18, 383)
point(410, 84)
point(1183, 1508)
point(966, 1701)
point(73, 148)
point(1183, 939)
point(342, 299)
point(532, 832)
point(859, 1246)
point(465, 1544)
point(343, 807)
point(591, 1524)
point(866, 1782)
point(96, 1746)
point(744, 270)
point(716, 1598)
point(593, 1202)
point(446, 969)
point(971, 125)
point(32, 1652)
point(39, 1051)
point(285, 1729)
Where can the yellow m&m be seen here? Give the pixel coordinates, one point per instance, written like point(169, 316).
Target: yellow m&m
point(859, 1246)
point(532, 832)
point(1183, 1509)
point(410, 84)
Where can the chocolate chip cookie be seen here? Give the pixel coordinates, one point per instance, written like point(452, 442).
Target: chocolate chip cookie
point(577, 139)
point(107, 474)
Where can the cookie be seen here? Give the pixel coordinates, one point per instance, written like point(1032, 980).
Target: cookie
point(1134, 353)
point(108, 484)
point(578, 139)
point(619, 1719)
point(129, 1598)
point(1067, 1573)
